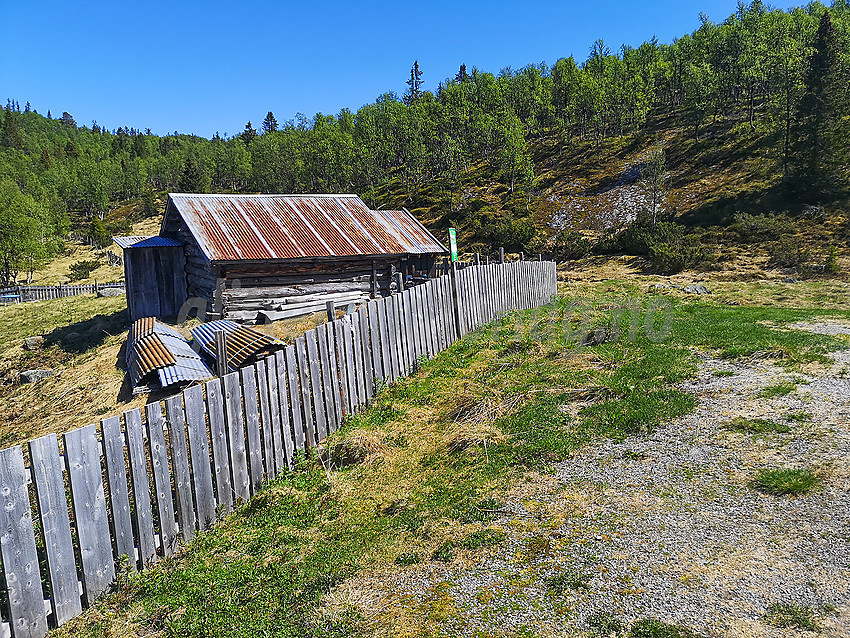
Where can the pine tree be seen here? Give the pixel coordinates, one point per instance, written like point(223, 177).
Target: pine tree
point(821, 149)
point(248, 134)
point(461, 74)
point(270, 123)
point(414, 84)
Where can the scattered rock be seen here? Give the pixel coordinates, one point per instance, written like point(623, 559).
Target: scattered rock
point(790, 280)
point(660, 286)
point(110, 292)
point(33, 343)
point(34, 376)
point(697, 289)
point(597, 336)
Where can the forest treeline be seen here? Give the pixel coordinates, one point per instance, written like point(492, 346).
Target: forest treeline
point(784, 73)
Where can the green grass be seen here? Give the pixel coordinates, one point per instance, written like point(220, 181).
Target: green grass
point(571, 580)
point(798, 417)
point(777, 390)
point(654, 628)
point(755, 426)
point(724, 373)
point(781, 481)
point(787, 615)
point(265, 569)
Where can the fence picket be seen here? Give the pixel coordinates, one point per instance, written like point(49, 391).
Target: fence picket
point(180, 464)
point(56, 527)
point(345, 330)
point(218, 441)
point(161, 478)
point(333, 359)
point(199, 450)
point(386, 322)
point(375, 343)
point(143, 511)
point(266, 417)
point(82, 458)
point(325, 373)
point(119, 493)
point(269, 384)
point(17, 545)
point(369, 374)
point(314, 362)
point(236, 436)
point(295, 399)
point(282, 400)
point(252, 427)
point(309, 422)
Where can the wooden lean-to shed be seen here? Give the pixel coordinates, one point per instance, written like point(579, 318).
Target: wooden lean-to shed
point(283, 255)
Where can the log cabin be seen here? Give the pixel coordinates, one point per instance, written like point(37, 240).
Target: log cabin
point(258, 257)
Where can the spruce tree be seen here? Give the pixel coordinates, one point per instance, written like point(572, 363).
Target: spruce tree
point(248, 134)
point(821, 148)
point(270, 123)
point(194, 178)
point(414, 84)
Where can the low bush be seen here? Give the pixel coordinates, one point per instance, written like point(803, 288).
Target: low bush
point(82, 269)
point(667, 244)
point(757, 228)
point(789, 252)
point(570, 244)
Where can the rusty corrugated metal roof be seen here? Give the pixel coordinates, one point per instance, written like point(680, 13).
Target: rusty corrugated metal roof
point(243, 344)
point(153, 347)
point(239, 227)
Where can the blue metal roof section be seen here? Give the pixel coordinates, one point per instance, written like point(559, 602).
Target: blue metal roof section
point(145, 241)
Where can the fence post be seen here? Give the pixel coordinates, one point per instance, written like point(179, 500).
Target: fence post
point(329, 306)
point(220, 353)
point(521, 256)
point(477, 259)
point(374, 280)
point(399, 279)
point(539, 257)
point(456, 301)
point(501, 254)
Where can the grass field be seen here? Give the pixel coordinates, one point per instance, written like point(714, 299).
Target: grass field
point(438, 454)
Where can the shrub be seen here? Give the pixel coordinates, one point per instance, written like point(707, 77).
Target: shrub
point(83, 269)
point(791, 615)
point(670, 250)
point(755, 228)
point(605, 623)
point(514, 234)
point(789, 252)
point(99, 234)
point(831, 264)
point(654, 628)
point(570, 244)
point(785, 481)
point(571, 580)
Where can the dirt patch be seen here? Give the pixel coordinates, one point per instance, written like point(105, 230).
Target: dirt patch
point(666, 525)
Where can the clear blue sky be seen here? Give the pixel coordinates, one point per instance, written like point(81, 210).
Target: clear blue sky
point(202, 67)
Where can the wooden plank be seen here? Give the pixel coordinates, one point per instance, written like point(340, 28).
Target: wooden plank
point(218, 442)
point(161, 478)
point(442, 308)
point(199, 449)
point(314, 363)
point(401, 334)
point(326, 372)
point(236, 437)
point(274, 429)
point(284, 431)
point(449, 310)
point(357, 357)
point(119, 493)
point(266, 418)
point(410, 346)
point(82, 459)
point(299, 432)
point(416, 325)
point(387, 341)
point(17, 545)
point(56, 527)
point(306, 404)
point(333, 358)
point(428, 306)
point(366, 350)
point(143, 512)
point(341, 326)
point(252, 426)
point(180, 466)
point(344, 330)
point(375, 343)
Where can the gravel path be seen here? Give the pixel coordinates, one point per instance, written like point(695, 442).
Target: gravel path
point(664, 526)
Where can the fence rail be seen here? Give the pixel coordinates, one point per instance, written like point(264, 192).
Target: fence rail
point(23, 294)
point(137, 486)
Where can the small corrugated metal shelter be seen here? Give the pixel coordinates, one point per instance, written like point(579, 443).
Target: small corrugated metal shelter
point(244, 345)
point(158, 356)
point(250, 253)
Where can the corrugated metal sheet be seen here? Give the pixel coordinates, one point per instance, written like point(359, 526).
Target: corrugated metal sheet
point(144, 241)
point(239, 227)
point(243, 344)
point(155, 347)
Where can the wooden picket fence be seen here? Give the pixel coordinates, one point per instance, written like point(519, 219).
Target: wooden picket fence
point(23, 294)
point(123, 494)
